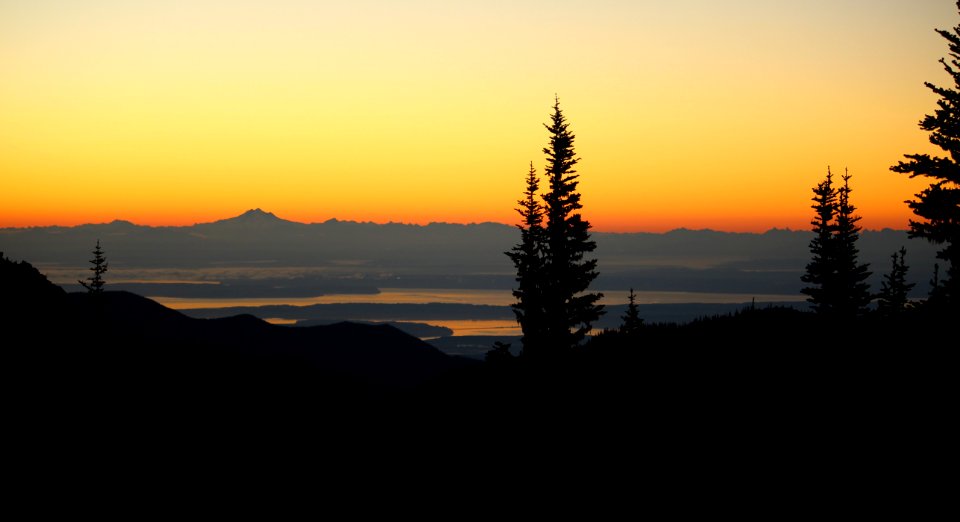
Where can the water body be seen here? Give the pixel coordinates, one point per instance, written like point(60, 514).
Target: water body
point(498, 327)
point(466, 296)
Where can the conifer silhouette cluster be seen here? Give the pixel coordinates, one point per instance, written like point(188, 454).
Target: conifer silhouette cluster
point(837, 279)
point(553, 307)
point(939, 204)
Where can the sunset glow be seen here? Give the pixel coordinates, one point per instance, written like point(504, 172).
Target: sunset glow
point(696, 114)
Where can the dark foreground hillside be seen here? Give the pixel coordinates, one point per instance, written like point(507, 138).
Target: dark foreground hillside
point(766, 383)
point(770, 403)
point(751, 367)
point(121, 359)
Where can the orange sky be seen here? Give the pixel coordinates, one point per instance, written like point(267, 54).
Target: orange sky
point(695, 114)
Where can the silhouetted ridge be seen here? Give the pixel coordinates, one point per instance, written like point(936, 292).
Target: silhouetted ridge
point(241, 321)
point(21, 281)
point(126, 309)
point(380, 355)
point(27, 294)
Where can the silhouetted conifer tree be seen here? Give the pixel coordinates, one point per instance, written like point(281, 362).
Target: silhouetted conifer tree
point(570, 309)
point(939, 204)
point(894, 289)
point(631, 319)
point(852, 291)
point(821, 271)
point(528, 259)
point(99, 262)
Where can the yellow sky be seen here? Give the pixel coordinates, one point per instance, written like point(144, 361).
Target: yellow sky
point(696, 114)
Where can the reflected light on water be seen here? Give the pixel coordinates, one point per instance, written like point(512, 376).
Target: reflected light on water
point(464, 296)
point(485, 327)
point(280, 320)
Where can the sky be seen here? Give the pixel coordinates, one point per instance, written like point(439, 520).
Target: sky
point(688, 113)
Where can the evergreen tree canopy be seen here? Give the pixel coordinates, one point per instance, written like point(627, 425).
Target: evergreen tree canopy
point(820, 271)
point(852, 292)
point(570, 310)
point(939, 204)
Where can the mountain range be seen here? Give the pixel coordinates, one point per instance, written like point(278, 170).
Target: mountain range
point(260, 254)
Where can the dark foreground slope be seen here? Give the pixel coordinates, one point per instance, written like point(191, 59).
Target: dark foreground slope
point(118, 348)
point(117, 357)
point(766, 402)
point(759, 380)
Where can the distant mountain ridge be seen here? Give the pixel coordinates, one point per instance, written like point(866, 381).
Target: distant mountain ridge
point(452, 255)
point(259, 215)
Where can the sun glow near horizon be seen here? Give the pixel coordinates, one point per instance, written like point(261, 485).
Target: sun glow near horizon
point(695, 115)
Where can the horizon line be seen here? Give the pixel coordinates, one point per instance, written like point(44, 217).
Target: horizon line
point(259, 211)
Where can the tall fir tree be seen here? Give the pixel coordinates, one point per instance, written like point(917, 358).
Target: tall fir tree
point(570, 310)
point(939, 204)
point(528, 259)
point(852, 292)
point(821, 272)
point(99, 262)
point(894, 290)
